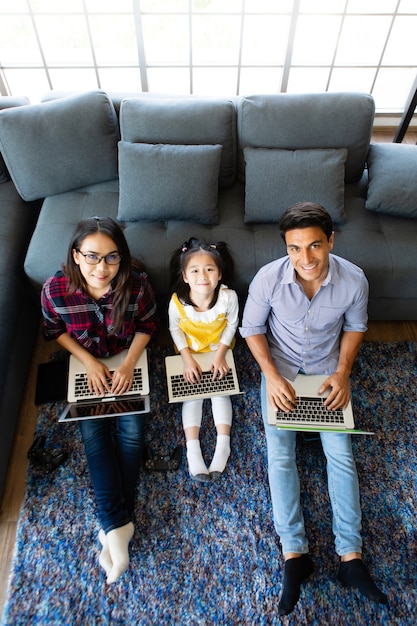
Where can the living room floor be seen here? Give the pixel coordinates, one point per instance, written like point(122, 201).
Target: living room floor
point(16, 481)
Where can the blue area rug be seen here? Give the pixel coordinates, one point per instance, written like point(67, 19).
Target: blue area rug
point(208, 554)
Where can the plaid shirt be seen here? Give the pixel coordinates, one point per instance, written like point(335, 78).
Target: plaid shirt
point(89, 321)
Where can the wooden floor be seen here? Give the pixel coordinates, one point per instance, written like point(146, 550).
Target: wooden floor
point(15, 484)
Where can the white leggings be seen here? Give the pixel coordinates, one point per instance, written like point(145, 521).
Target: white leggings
point(192, 411)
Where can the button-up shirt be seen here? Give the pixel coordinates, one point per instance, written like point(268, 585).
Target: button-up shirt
point(304, 334)
point(89, 321)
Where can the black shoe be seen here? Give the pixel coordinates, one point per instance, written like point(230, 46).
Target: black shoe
point(40, 456)
point(355, 574)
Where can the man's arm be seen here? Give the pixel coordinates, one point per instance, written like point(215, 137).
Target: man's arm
point(279, 391)
point(339, 396)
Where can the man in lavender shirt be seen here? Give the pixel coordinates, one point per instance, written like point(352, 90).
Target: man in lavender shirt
point(307, 312)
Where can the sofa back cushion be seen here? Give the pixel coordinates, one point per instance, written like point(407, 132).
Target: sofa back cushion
point(308, 121)
point(8, 102)
point(184, 121)
point(54, 147)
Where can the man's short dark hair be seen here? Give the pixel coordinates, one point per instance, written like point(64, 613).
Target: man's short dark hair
point(305, 215)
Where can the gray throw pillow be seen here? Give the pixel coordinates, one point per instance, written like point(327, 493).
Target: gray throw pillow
point(392, 172)
point(160, 182)
point(57, 146)
point(276, 179)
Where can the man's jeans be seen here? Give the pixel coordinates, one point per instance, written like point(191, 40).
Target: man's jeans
point(114, 450)
point(285, 488)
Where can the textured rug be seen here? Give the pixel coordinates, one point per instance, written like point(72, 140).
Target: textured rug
point(208, 554)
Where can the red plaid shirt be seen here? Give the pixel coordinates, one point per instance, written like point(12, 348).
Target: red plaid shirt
point(89, 321)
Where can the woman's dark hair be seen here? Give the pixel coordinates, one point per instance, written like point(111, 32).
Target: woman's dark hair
point(122, 282)
point(304, 215)
point(179, 261)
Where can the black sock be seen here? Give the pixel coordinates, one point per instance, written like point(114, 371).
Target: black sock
point(355, 574)
point(295, 571)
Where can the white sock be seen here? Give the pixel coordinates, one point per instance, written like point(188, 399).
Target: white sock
point(118, 541)
point(221, 454)
point(195, 459)
point(104, 559)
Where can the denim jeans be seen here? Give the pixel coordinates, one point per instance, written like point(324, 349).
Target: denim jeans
point(284, 484)
point(114, 450)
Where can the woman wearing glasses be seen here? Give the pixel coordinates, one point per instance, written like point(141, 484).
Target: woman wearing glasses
point(99, 304)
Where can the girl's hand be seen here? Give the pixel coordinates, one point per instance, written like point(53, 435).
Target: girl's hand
point(98, 377)
point(219, 367)
point(122, 379)
point(192, 370)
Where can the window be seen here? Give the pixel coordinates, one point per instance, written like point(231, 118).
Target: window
point(210, 47)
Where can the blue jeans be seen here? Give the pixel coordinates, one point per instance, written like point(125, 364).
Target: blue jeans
point(114, 450)
point(284, 484)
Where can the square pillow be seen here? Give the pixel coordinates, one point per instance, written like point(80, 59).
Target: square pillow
point(54, 147)
point(392, 173)
point(161, 182)
point(276, 179)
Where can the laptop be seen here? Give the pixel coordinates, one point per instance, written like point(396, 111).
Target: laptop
point(180, 390)
point(310, 414)
point(84, 404)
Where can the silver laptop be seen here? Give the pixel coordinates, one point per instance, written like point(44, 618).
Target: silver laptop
point(84, 404)
point(180, 390)
point(310, 413)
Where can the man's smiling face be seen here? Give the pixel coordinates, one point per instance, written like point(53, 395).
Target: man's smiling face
point(308, 250)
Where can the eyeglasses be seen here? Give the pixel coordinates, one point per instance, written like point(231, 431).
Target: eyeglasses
point(94, 259)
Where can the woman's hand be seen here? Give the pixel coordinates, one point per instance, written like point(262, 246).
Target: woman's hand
point(98, 377)
point(122, 379)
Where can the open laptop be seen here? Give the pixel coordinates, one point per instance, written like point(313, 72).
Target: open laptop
point(84, 404)
point(180, 390)
point(310, 414)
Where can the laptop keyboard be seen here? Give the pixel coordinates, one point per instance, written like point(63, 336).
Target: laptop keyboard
point(206, 386)
point(311, 410)
point(82, 391)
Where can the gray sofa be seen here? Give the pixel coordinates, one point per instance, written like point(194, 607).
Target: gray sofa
point(222, 169)
point(18, 304)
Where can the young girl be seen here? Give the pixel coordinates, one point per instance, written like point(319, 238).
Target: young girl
point(203, 317)
point(100, 304)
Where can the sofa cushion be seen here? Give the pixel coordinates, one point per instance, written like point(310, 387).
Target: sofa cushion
point(392, 172)
point(277, 179)
point(7, 102)
point(162, 182)
point(307, 121)
point(186, 121)
point(56, 146)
